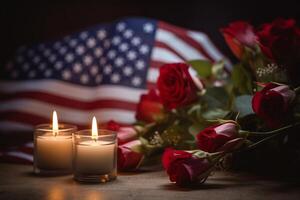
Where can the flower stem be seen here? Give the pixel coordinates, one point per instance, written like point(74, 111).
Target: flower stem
point(277, 133)
point(270, 132)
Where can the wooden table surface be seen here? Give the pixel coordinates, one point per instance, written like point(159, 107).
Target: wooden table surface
point(18, 182)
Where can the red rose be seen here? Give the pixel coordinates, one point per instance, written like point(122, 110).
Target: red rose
point(213, 138)
point(128, 158)
point(170, 155)
point(184, 169)
point(124, 133)
point(176, 86)
point(272, 103)
point(280, 41)
point(237, 35)
point(150, 107)
point(112, 125)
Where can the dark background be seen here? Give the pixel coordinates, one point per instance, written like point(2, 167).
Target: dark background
point(26, 22)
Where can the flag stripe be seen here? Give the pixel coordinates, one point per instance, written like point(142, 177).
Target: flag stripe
point(67, 102)
point(182, 34)
point(69, 114)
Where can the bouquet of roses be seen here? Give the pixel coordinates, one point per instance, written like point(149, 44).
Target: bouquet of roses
point(199, 113)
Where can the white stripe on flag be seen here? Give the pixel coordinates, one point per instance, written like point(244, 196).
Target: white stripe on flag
point(74, 91)
point(79, 117)
point(21, 155)
point(209, 47)
point(15, 126)
point(164, 55)
point(185, 50)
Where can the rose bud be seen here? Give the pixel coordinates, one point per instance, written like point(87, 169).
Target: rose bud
point(112, 125)
point(273, 103)
point(213, 138)
point(149, 108)
point(176, 86)
point(128, 157)
point(238, 35)
point(185, 169)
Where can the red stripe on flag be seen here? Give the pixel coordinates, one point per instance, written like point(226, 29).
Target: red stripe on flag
point(66, 102)
point(165, 46)
point(182, 34)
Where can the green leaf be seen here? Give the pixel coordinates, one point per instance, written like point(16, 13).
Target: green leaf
point(216, 97)
point(218, 68)
point(242, 79)
point(243, 105)
point(202, 67)
point(216, 113)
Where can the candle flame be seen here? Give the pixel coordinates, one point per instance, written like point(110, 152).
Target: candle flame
point(94, 129)
point(54, 123)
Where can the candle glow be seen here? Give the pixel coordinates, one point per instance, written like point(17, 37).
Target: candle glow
point(94, 129)
point(54, 123)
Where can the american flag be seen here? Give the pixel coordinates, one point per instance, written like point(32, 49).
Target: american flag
point(100, 71)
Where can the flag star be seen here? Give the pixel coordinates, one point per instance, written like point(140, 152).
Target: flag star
point(115, 78)
point(136, 81)
point(52, 58)
point(69, 57)
point(101, 34)
point(119, 61)
point(111, 54)
point(84, 78)
point(148, 27)
point(102, 61)
point(127, 71)
point(36, 59)
point(128, 33)
point(121, 26)
point(144, 49)
point(140, 64)
point(87, 60)
point(94, 70)
point(66, 74)
point(107, 69)
point(77, 67)
point(57, 45)
point(98, 78)
point(116, 40)
point(98, 52)
point(136, 41)
point(106, 43)
point(47, 52)
point(58, 65)
point(42, 66)
point(131, 55)
point(20, 59)
point(83, 35)
point(91, 42)
point(73, 42)
point(62, 50)
point(123, 47)
point(80, 50)
point(31, 74)
point(25, 67)
point(48, 73)
point(14, 74)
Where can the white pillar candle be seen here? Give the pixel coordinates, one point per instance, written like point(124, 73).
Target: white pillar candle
point(95, 156)
point(54, 152)
point(53, 147)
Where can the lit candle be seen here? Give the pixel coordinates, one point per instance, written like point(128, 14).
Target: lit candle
point(53, 147)
point(95, 155)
